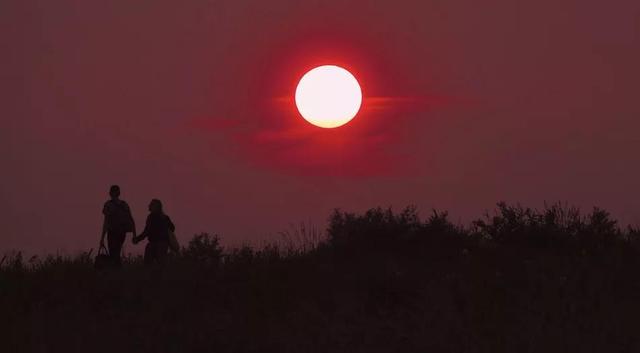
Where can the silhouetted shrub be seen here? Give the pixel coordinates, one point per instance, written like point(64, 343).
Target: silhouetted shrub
point(520, 279)
point(203, 249)
point(244, 255)
point(381, 233)
point(377, 227)
point(555, 227)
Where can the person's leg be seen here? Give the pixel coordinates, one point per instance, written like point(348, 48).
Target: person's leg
point(115, 242)
point(162, 249)
point(151, 253)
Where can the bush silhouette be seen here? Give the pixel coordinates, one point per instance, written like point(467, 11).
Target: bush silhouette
point(517, 279)
point(203, 249)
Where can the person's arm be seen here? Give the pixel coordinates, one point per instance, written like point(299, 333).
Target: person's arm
point(104, 225)
point(144, 232)
point(172, 227)
point(104, 231)
point(133, 227)
point(133, 222)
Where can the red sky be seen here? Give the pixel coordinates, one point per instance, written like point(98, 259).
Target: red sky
point(466, 104)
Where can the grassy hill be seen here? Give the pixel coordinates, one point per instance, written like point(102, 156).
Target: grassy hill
point(519, 280)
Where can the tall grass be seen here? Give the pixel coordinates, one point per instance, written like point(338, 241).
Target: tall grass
point(516, 279)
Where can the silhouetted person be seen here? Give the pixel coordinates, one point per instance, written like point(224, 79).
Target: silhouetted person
point(117, 223)
point(157, 231)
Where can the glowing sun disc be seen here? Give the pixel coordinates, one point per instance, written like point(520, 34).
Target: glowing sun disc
point(328, 96)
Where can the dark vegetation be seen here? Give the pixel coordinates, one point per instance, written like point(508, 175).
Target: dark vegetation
point(519, 280)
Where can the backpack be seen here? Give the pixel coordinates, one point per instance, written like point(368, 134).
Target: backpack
point(173, 242)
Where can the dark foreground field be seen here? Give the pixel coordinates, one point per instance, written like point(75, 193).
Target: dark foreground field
point(516, 281)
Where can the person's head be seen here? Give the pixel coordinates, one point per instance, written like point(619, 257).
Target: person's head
point(114, 191)
point(155, 206)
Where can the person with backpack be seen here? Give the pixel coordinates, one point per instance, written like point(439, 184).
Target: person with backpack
point(118, 221)
point(158, 230)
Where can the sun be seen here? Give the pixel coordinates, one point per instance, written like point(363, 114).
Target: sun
point(328, 96)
